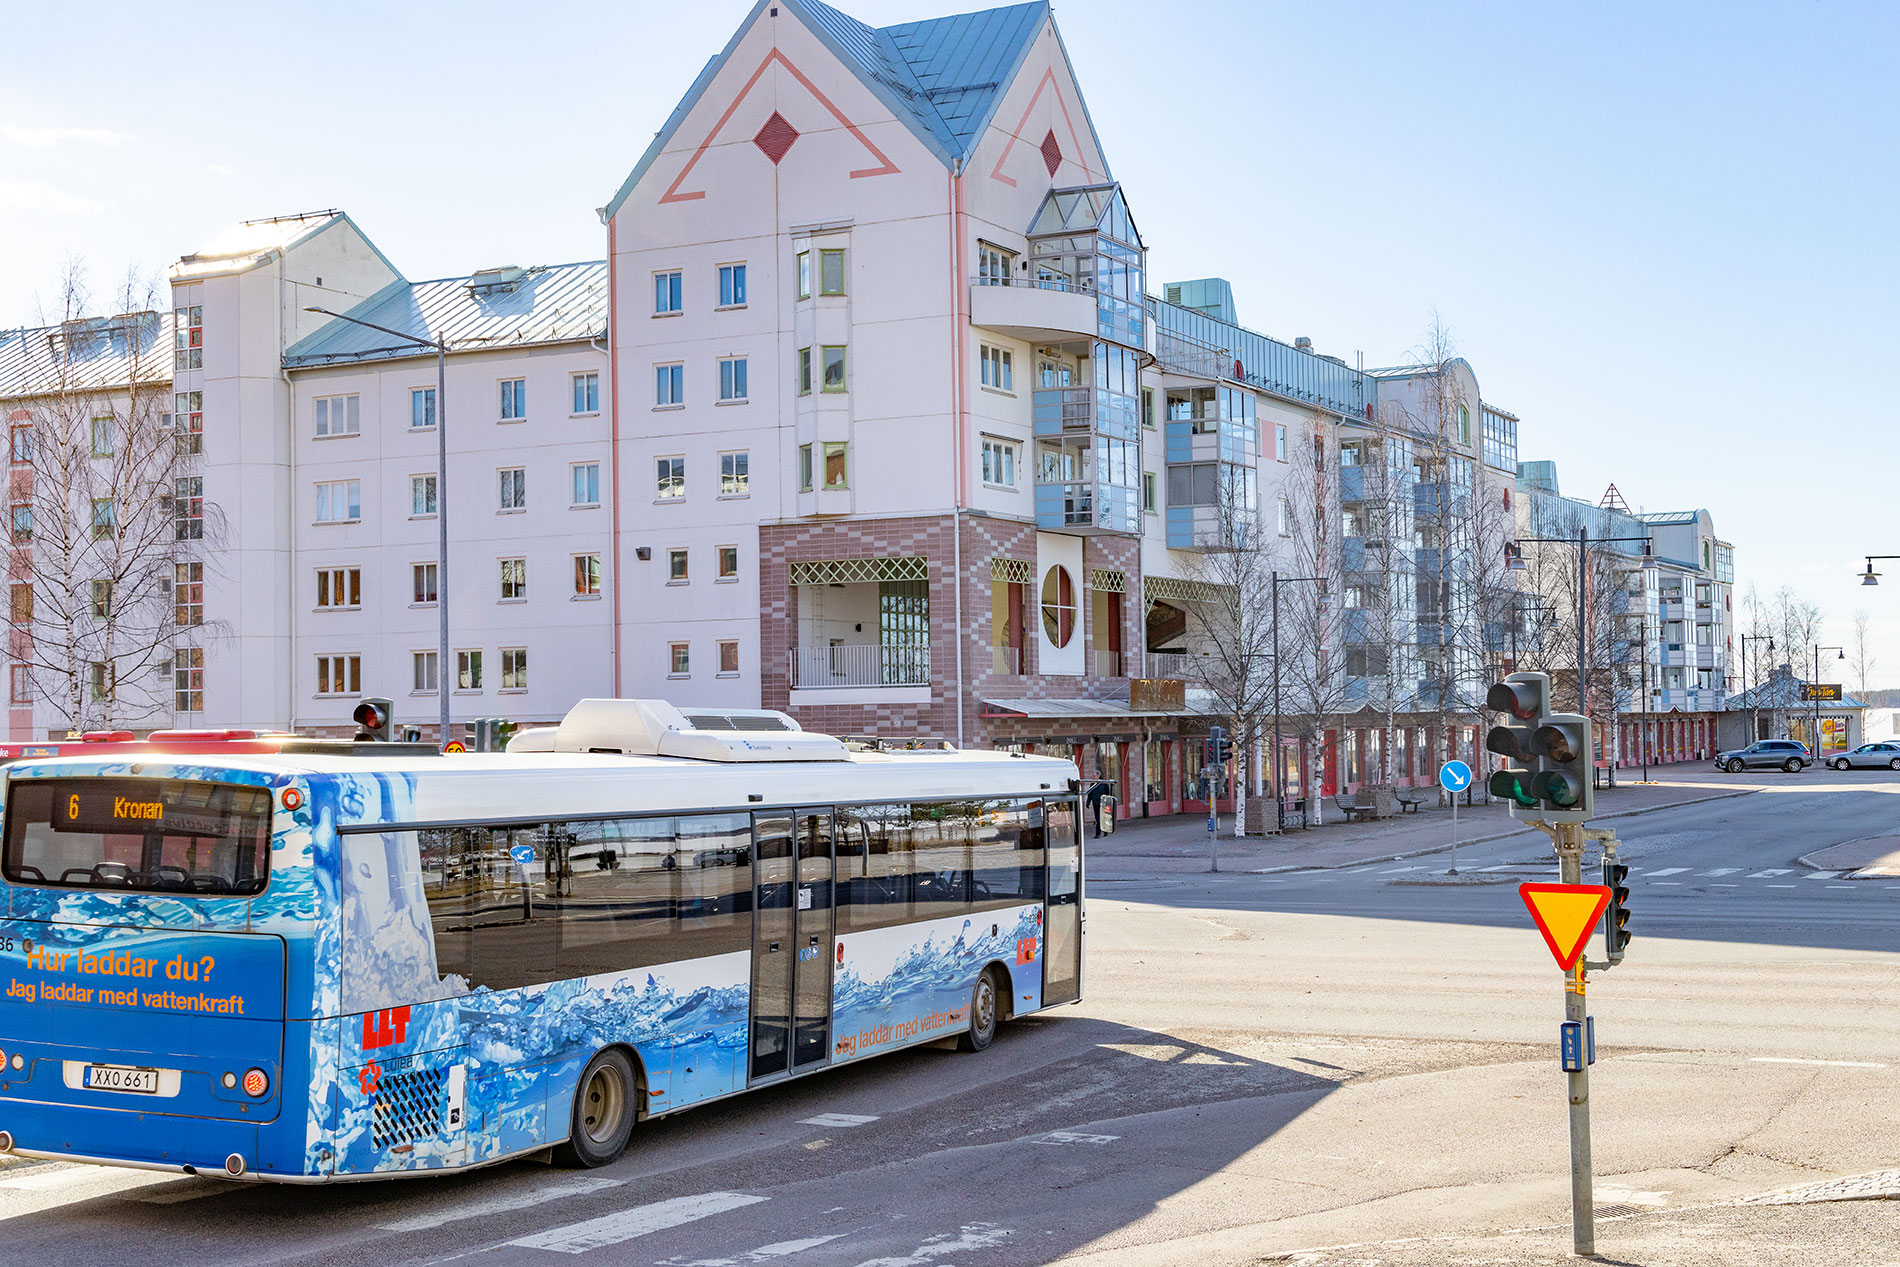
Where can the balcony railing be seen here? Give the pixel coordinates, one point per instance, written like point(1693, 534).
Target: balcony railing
point(1168, 664)
point(1006, 659)
point(1108, 664)
point(820, 668)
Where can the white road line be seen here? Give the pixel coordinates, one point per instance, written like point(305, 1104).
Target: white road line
point(500, 1203)
point(1722, 871)
point(1781, 886)
point(1396, 870)
point(1796, 1060)
point(1821, 875)
point(1840, 886)
point(1074, 1137)
point(624, 1225)
point(1667, 884)
point(1769, 874)
point(837, 1119)
point(1725, 886)
point(60, 1177)
point(1666, 871)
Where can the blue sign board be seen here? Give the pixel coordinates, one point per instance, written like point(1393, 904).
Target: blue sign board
point(522, 854)
point(1454, 776)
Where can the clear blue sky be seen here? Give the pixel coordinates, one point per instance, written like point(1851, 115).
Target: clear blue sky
point(1665, 235)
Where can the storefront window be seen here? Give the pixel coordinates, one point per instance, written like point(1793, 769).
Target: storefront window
point(1157, 777)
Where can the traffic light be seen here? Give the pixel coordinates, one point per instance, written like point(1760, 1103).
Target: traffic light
point(1548, 776)
point(504, 731)
point(372, 719)
point(1219, 747)
point(490, 734)
point(1616, 878)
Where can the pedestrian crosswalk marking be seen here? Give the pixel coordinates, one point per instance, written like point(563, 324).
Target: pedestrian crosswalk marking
point(1667, 871)
point(1722, 871)
point(1770, 874)
point(624, 1225)
point(1822, 875)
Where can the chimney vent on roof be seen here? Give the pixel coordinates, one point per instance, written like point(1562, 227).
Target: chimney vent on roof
point(501, 280)
point(1303, 343)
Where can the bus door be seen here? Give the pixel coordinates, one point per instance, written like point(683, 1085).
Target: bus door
point(791, 943)
point(1062, 921)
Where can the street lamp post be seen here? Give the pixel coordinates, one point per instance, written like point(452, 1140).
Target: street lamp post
point(1814, 694)
point(1279, 758)
point(1871, 577)
point(440, 344)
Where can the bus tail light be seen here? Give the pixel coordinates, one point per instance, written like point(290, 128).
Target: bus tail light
point(234, 1165)
point(256, 1082)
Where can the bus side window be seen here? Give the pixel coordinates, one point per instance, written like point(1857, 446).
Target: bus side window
point(879, 894)
point(1007, 856)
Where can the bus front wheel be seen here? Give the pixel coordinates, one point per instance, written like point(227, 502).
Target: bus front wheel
point(984, 1008)
point(603, 1111)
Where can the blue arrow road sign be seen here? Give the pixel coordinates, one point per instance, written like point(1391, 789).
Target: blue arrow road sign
point(1454, 776)
point(522, 854)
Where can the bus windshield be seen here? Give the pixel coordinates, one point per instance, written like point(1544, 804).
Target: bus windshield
point(143, 835)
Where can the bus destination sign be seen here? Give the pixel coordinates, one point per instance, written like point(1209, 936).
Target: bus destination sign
point(109, 806)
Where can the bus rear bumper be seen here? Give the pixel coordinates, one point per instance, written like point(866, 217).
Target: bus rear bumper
point(170, 1145)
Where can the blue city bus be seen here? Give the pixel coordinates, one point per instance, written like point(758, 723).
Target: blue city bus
point(312, 966)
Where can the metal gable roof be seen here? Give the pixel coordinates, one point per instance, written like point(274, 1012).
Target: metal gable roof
point(86, 354)
point(545, 304)
point(941, 77)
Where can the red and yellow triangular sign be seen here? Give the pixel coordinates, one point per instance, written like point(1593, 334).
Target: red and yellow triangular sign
point(1566, 914)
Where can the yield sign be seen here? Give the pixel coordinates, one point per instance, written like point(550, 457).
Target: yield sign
point(1565, 915)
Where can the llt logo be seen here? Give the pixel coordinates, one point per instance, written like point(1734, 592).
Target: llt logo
point(385, 1028)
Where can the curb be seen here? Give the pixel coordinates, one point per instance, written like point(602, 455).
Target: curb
point(1847, 873)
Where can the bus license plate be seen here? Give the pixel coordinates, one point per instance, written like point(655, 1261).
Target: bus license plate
point(121, 1078)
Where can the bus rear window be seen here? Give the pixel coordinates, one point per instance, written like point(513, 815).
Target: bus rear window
point(142, 835)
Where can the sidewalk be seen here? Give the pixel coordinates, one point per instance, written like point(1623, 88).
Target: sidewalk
point(1870, 858)
point(1152, 846)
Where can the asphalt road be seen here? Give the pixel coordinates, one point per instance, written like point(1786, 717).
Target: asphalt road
point(1263, 1064)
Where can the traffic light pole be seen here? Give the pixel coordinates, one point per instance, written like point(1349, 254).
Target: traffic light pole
point(1568, 838)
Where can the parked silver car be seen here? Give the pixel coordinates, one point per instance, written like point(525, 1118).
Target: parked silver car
point(1869, 756)
point(1769, 754)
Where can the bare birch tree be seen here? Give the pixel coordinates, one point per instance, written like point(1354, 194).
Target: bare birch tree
point(1860, 652)
point(108, 519)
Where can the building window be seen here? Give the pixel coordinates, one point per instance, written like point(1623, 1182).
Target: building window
point(731, 285)
point(1148, 407)
point(666, 293)
point(675, 567)
point(104, 436)
point(339, 501)
point(804, 274)
point(188, 422)
point(670, 478)
point(339, 589)
point(728, 659)
point(468, 670)
point(993, 265)
point(22, 604)
point(804, 468)
point(188, 508)
point(421, 495)
point(1279, 441)
point(804, 371)
point(514, 399)
point(728, 563)
point(423, 575)
point(423, 671)
point(514, 487)
point(679, 659)
point(834, 369)
point(1286, 517)
point(1058, 606)
point(514, 580)
point(831, 272)
point(104, 680)
point(339, 415)
point(586, 575)
point(20, 443)
point(188, 680)
point(999, 462)
point(188, 594)
point(734, 476)
point(102, 599)
point(1464, 425)
point(105, 516)
point(669, 385)
point(339, 675)
point(22, 523)
point(835, 473)
point(999, 370)
point(586, 483)
point(1148, 493)
point(514, 668)
point(19, 684)
point(188, 338)
point(587, 393)
point(732, 378)
point(421, 408)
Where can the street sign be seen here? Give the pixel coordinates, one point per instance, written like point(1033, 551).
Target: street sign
point(1821, 691)
point(455, 745)
point(1454, 776)
point(1565, 914)
point(522, 854)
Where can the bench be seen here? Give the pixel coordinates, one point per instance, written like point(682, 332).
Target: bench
point(1353, 812)
point(1409, 804)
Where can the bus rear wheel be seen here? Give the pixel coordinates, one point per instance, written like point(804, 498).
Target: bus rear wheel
point(983, 1014)
point(603, 1112)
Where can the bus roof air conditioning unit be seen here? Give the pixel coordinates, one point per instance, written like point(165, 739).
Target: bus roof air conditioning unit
point(654, 728)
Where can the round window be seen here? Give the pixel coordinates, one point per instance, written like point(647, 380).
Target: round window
point(1058, 606)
